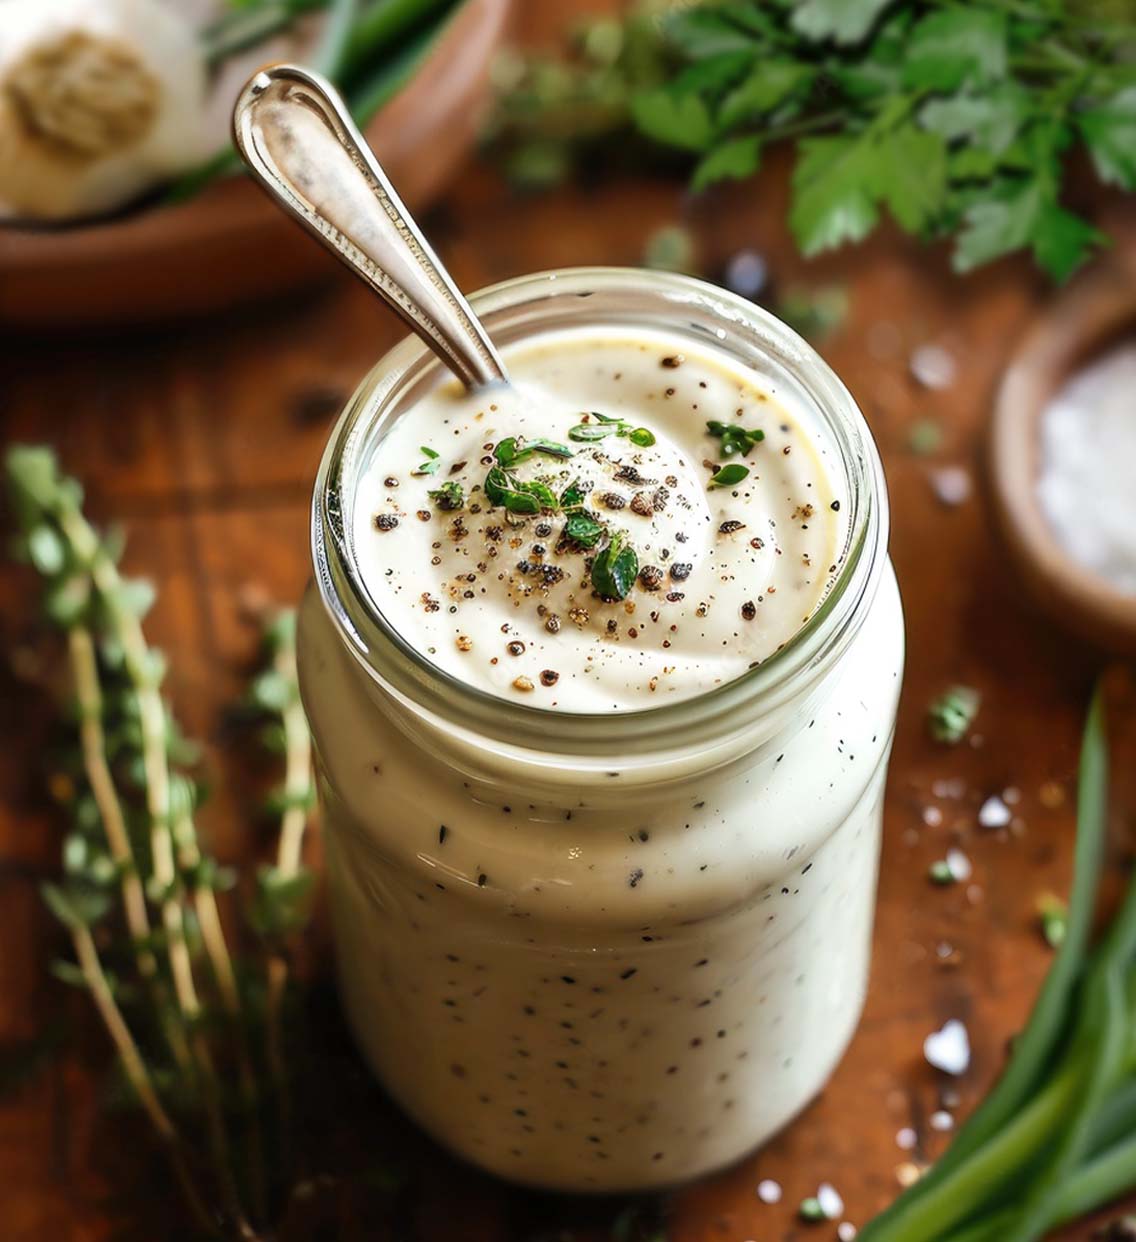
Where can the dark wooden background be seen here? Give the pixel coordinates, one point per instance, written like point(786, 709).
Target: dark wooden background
point(204, 438)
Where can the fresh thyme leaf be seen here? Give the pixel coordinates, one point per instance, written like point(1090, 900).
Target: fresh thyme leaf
point(502, 488)
point(608, 426)
point(583, 529)
point(615, 568)
point(735, 439)
point(585, 432)
point(573, 496)
point(550, 448)
point(729, 475)
point(449, 496)
point(513, 451)
point(433, 462)
point(950, 716)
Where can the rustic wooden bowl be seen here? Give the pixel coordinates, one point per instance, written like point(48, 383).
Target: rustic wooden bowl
point(230, 244)
point(1097, 311)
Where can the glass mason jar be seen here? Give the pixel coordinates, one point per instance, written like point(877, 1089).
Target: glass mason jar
point(610, 951)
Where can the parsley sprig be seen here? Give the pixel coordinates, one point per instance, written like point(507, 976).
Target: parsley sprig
point(956, 120)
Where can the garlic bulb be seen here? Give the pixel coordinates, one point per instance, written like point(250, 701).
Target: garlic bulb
point(99, 101)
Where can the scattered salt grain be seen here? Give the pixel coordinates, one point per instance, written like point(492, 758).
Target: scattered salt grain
point(942, 1121)
point(769, 1191)
point(951, 485)
point(994, 813)
point(959, 865)
point(831, 1204)
point(907, 1174)
point(948, 1049)
point(845, 1231)
point(932, 816)
point(906, 1139)
point(747, 274)
point(932, 366)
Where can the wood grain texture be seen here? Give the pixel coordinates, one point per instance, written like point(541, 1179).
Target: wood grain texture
point(205, 440)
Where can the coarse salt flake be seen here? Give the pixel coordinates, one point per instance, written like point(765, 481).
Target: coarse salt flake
point(831, 1204)
point(994, 813)
point(948, 1049)
point(769, 1191)
point(959, 865)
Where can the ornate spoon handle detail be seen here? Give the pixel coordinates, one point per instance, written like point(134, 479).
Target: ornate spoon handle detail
point(298, 139)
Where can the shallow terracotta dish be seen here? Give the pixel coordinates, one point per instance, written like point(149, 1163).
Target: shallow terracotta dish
point(230, 244)
point(1096, 312)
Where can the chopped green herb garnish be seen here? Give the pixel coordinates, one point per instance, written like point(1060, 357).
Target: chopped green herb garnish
point(811, 1209)
point(950, 716)
point(729, 475)
point(940, 872)
point(734, 439)
point(615, 568)
point(505, 489)
point(1054, 921)
point(449, 496)
point(573, 496)
point(512, 452)
point(583, 529)
point(432, 464)
point(606, 426)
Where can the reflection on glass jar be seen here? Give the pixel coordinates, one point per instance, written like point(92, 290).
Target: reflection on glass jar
point(605, 951)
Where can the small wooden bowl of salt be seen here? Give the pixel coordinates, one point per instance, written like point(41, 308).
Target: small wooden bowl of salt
point(1063, 456)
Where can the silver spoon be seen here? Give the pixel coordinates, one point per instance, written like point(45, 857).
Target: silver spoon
point(294, 132)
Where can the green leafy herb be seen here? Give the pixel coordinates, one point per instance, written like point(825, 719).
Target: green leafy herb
point(1054, 916)
point(729, 475)
point(950, 716)
point(505, 489)
point(735, 439)
point(605, 426)
point(449, 496)
point(956, 120)
point(512, 451)
point(615, 568)
point(572, 497)
point(583, 529)
point(432, 464)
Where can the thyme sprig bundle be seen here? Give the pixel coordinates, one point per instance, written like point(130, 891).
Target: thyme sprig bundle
point(139, 892)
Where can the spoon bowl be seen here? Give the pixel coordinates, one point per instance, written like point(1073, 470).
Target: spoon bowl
point(293, 130)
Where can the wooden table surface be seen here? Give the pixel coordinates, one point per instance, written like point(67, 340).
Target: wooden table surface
point(204, 438)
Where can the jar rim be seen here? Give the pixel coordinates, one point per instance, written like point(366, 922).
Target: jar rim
point(709, 716)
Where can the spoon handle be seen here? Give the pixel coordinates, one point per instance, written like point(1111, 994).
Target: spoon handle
point(294, 132)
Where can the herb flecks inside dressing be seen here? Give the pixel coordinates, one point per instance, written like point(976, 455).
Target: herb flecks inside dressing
point(624, 526)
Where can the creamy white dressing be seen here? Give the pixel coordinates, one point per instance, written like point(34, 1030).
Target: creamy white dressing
point(1088, 451)
point(505, 602)
point(618, 977)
